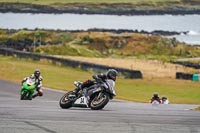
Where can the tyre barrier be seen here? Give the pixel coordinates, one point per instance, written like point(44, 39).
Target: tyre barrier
point(186, 76)
point(188, 64)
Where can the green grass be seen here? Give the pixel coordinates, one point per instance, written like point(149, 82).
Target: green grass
point(68, 49)
point(14, 69)
point(60, 77)
point(178, 91)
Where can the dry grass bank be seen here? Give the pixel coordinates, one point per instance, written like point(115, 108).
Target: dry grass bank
point(149, 68)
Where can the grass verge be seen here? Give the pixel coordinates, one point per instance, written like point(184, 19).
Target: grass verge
point(140, 90)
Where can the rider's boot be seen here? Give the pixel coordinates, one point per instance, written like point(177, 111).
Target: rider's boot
point(35, 95)
point(79, 87)
point(30, 98)
point(40, 93)
point(75, 91)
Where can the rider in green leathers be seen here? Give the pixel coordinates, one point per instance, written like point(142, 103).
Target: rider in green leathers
point(38, 79)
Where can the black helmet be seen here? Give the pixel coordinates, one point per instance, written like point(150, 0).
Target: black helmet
point(112, 74)
point(37, 73)
point(155, 94)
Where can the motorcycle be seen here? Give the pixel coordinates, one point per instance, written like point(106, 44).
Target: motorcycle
point(94, 97)
point(27, 89)
point(165, 100)
point(155, 103)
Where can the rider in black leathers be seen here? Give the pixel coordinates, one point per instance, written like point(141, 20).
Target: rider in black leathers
point(111, 74)
point(156, 97)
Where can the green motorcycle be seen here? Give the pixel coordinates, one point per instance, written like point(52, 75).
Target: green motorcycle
point(28, 88)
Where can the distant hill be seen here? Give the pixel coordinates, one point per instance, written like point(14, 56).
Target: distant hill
point(97, 44)
point(115, 7)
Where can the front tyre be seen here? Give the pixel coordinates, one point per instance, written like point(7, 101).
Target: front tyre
point(65, 103)
point(99, 103)
point(24, 95)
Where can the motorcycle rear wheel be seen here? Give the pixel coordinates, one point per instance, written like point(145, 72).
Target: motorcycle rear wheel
point(65, 103)
point(97, 104)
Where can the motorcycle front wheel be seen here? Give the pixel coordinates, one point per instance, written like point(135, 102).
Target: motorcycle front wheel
point(24, 95)
point(97, 103)
point(65, 102)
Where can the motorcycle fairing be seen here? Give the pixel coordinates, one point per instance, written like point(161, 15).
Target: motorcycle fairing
point(92, 90)
point(110, 84)
point(81, 102)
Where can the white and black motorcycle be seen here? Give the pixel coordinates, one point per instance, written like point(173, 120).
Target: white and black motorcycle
point(94, 97)
point(163, 100)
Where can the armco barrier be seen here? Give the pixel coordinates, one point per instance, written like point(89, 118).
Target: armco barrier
point(68, 62)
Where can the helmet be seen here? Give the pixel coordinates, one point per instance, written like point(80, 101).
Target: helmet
point(155, 94)
point(37, 73)
point(112, 74)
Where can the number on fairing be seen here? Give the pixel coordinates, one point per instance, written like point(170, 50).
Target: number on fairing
point(82, 100)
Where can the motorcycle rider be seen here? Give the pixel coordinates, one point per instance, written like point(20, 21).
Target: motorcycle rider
point(156, 97)
point(165, 100)
point(38, 79)
point(111, 74)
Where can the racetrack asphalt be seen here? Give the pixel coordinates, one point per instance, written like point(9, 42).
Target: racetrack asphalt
point(44, 115)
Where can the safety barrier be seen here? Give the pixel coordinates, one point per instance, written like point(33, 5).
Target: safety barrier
point(181, 75)
point(133, 74)
point(187, 64)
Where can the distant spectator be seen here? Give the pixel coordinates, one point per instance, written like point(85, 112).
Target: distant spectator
point(156, 98)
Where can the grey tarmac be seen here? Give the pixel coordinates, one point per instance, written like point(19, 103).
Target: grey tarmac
point(44, 115)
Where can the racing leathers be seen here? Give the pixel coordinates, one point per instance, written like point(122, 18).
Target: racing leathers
point(88, 83)
point(38, 82)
